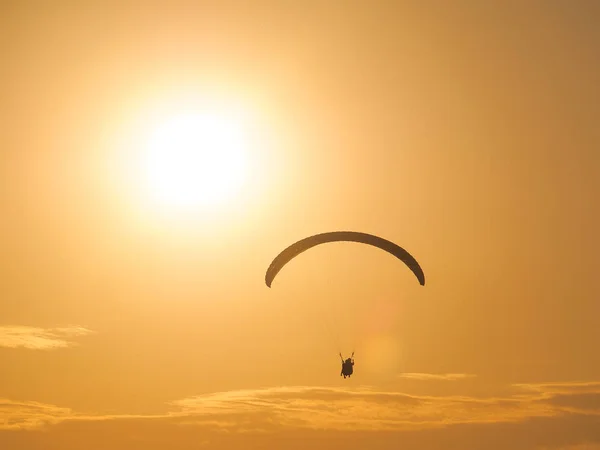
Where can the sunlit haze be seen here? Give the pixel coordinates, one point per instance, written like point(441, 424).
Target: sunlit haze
point(157, 156)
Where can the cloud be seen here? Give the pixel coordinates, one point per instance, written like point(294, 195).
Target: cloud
point(436, 377)
point(564, 387)
point(575, 397)
point(16, 336)
point(358, 409)
point(562, 432)
point(326, 417)
point(30, 415)
point(336, 408)
point(589, 402)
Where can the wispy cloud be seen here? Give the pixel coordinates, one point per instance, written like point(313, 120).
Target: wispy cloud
point(359, 409)
point(28, 415)
point(563, 387)
point(532, 418)
point(436, 376)
point(336, 408)
point(17, 336)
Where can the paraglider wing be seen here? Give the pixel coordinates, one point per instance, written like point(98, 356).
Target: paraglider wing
point(336, 236)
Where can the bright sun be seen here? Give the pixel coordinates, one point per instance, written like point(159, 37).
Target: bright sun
point(195, 160)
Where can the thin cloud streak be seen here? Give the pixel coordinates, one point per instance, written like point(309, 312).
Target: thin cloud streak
point(436, 377)
point(565, 387)
point(30, 415)
point(35, 338)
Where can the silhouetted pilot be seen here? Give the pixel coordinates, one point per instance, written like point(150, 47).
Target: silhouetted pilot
point(347, 367)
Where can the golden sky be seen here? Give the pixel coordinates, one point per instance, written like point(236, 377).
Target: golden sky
point(466, 132)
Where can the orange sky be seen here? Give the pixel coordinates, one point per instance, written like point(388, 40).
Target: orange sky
point(465, 132)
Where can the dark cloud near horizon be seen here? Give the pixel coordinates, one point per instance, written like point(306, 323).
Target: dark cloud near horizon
point(561, 432)
point(589, 402)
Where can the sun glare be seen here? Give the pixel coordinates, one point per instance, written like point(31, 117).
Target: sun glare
point(195, 160)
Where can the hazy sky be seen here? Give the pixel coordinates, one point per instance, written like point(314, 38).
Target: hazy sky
point(466, 131)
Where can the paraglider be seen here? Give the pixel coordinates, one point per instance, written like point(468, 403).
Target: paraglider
point(347, 366)
point(302, 245)
point(338, 236)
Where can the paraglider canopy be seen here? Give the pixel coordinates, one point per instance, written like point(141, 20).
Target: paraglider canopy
point(337, 236)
